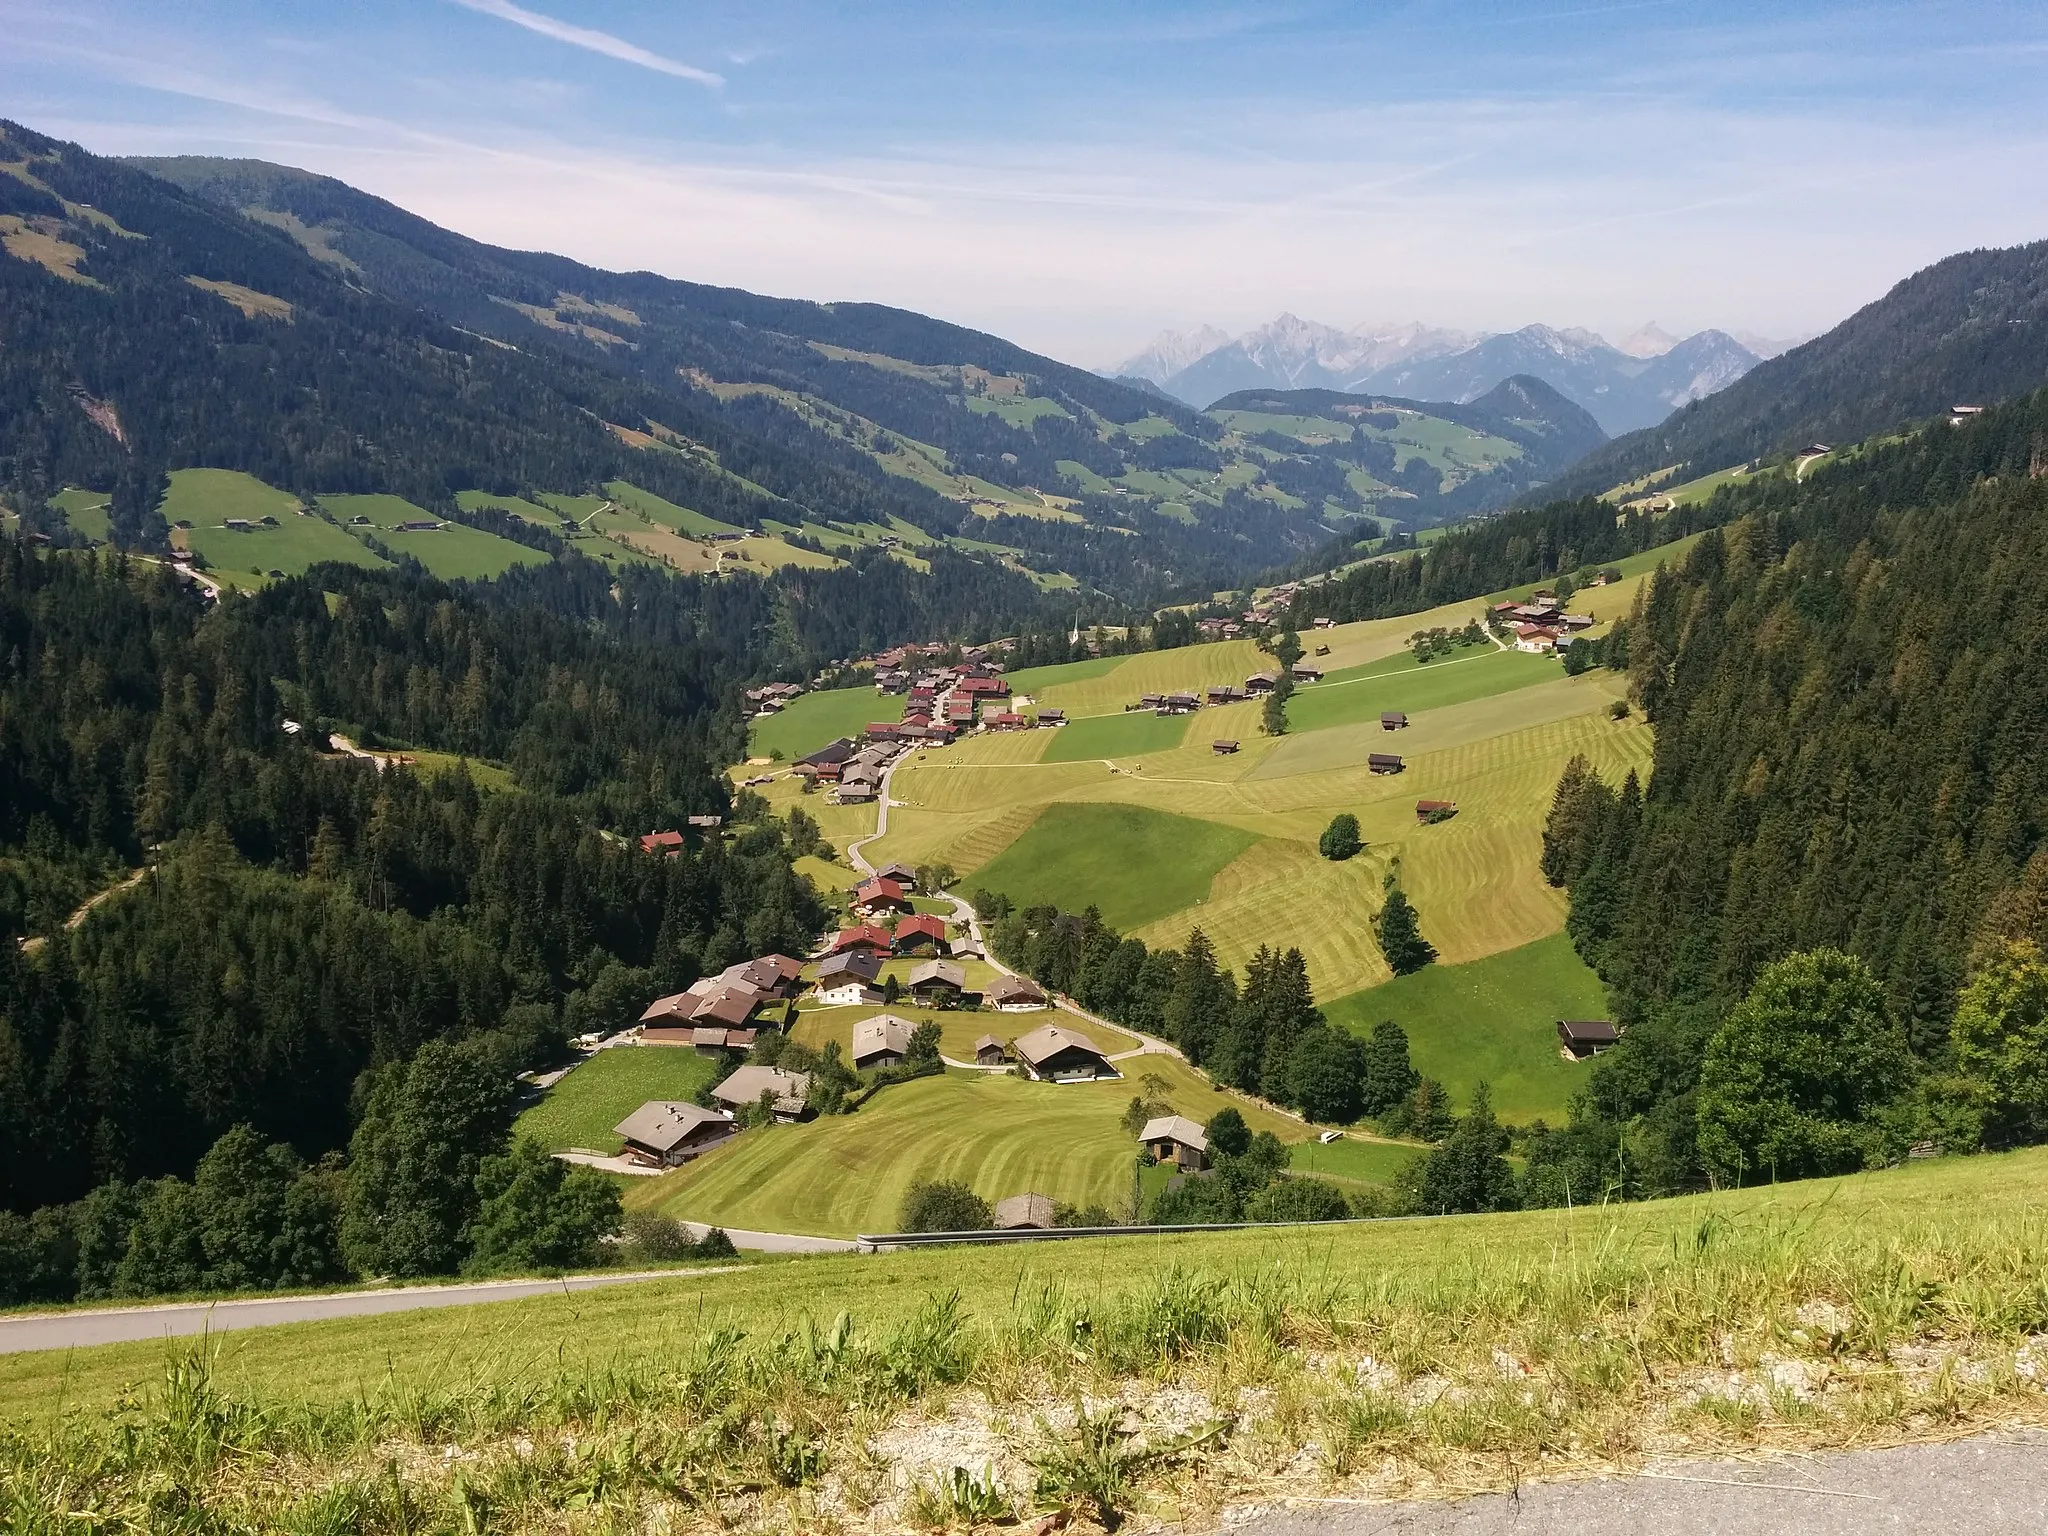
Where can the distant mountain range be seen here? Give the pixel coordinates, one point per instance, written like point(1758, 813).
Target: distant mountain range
point(1970, 330)
point(1635, 384)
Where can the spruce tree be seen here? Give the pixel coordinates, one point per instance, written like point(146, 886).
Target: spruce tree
point(1400, 935)
point(1387, 1076)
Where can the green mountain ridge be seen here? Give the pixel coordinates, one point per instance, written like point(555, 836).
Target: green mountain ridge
point(1971, 329)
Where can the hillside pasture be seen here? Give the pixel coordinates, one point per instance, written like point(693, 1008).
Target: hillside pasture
point(1187, 669)
point(1491, 1021)
point(1133, 863)
point(1033, 680)
point(999, 1134)
point(452, 551)
point(85, 512)
point(1474, 877)
point(1121, 735)
point(581, 1109)
point(208, 498)
point(657, 509)
point(517, 506)
point(1413, 689)
point(814, 720)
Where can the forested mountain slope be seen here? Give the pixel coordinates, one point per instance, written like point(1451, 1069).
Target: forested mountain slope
point(1849, 684)
point(1969, 330)
point(312, 918)
point(1452, 460)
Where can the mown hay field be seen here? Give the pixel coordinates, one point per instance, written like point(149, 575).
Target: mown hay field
point(1121, 735)
point(1001, 1135)
point(1474, 878)
point(1402, 684)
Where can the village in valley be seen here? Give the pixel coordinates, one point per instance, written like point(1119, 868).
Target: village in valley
point(907, 990)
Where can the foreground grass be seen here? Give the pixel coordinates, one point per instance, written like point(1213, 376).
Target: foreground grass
point(1158, 1378)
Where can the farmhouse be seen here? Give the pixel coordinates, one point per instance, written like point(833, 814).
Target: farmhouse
point(938, 983)
point(921, 935)
point(848, 978)
point(745, 1087)
point(1383, 762)
point(1007, 720)
point(1052, 717)
point(1393, 720)
point(1431, 811)
point(832, 755)
point(861, 793)
point(1022, 1212)
point(882, 1041)
point(1052, 1054)
point(662, 1134)
point(662, 842)
point(863, 937)
point(704, 823)
point(1223, 748)
point(1261, 683)
point(1304, 673)
point(902, 874)
point(1015, 994)
point(874, 896)
point(989, 1052)
point(1177, 1140)
point(1586, 1037)
point(1227, 695)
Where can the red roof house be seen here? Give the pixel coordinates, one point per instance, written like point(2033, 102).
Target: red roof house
point(662, 842)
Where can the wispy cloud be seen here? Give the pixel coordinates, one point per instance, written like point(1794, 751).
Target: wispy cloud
point(597, 42)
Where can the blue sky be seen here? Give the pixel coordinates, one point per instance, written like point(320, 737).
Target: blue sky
point(1079, 176)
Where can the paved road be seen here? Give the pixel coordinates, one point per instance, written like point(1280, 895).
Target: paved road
point(1993, 1485)
point(777, 1242)
point(114, 1325)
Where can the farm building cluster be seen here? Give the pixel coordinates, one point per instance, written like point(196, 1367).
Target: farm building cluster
point(1539, 623)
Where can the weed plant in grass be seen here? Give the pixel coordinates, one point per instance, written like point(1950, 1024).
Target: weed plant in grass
point(1105, 1379)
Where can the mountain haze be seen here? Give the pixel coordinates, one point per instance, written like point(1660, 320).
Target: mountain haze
point(1625, 387)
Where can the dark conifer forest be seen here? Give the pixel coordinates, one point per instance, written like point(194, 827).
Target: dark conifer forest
point(1849, 683)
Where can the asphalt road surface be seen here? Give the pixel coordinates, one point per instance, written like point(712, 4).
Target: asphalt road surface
point(115, 1325)
point(1992, 1485)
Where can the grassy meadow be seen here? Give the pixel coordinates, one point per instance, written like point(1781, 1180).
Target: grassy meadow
point(453, 551)
point(813, 720)
point(1491, 1021)
point(85, 512)
point(1400, 683)
point(1134, 863)
point(1368, 1361)
point(999, 1134)
point(581, 1109)
point(1119, 735)
point(208, 498)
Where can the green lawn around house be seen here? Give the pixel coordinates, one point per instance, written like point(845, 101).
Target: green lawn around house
point(582, 1108)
